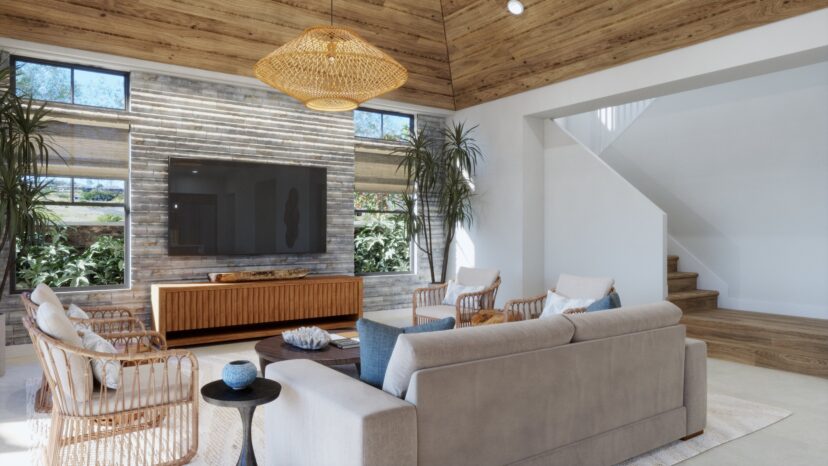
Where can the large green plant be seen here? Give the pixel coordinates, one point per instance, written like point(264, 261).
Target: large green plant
point(24, 155)
point(439, 166)
point(52, 260)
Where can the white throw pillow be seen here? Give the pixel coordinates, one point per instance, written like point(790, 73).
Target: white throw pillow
point(557, 304)
point(454, 289)
point(52, 320)
point(43, 294)
point(75, 312)
point(105, 372)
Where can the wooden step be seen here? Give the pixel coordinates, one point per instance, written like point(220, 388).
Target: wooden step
point(672, 264)
point(695, 300)
point(796, 344)
point(681, 281)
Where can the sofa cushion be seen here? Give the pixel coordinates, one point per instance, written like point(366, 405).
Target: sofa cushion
point(573, 286)
point(421, 351)
point(629, 319)
point(43, 294)
point(376, 342)
point(440, 311)
point(477, 277)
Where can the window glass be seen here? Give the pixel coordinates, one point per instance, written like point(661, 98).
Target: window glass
point(43, 82)
point(395, 127)
point(381, 242)
point(99, 89)
point(367, 124)
point(99, 190)
point(378, 124)
point(70, 84)
point(87, 245)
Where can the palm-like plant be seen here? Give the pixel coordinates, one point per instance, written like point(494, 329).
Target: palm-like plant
point(439, 169)
point(24, 157)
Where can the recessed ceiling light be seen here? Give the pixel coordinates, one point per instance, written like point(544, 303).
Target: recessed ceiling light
point(195, 172)
point(515, 7)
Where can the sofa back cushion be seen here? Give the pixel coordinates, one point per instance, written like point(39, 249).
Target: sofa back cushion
point(506, 409)
point(573, 286)
point(421, 351)
point(468, 276)
point(629, 319)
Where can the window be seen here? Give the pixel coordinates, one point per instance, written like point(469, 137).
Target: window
point(70, 84)
point(379, 124)
point(380, 241)
point(88, 246)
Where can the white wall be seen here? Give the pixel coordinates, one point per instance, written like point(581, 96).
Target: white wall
point(510, 202)
point(742, 171)
point(597, 224)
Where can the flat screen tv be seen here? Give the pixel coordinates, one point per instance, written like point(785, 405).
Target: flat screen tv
point(220, 207)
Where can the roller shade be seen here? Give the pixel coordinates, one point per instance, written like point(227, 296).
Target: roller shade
point(89, 148)
point(376, 167)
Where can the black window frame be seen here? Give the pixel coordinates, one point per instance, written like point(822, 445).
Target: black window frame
point(410, 117)
point(411, 247)
point(126, 285)
point(72, 67)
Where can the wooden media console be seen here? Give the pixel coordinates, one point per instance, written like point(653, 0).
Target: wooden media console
point(195, 313)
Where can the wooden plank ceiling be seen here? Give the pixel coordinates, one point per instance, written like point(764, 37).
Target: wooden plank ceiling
point(490, 53)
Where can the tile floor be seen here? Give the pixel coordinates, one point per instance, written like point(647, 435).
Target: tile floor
point(801, 439)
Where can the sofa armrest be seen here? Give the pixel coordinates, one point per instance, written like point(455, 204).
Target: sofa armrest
point(325, 417)
point(695, 384)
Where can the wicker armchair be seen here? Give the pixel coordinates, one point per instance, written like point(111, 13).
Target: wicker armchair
point(569, 285)
point(151, 418)
point(427, 303)
point(103, 320)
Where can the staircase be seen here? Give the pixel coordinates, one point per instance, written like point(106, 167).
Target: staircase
point(683, 292)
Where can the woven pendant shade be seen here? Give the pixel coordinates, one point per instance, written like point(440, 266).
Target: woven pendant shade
point(330, 69)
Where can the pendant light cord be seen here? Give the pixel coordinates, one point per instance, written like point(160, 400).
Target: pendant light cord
point(331, 13)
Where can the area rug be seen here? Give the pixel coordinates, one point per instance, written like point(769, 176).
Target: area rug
point(220, 433)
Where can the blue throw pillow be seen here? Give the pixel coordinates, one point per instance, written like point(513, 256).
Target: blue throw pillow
point(376, 343)
point(610, 301)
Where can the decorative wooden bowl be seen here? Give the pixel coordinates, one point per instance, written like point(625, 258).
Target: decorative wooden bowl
point(276, 274)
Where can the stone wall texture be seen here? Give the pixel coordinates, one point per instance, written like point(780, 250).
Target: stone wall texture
point(176, 117)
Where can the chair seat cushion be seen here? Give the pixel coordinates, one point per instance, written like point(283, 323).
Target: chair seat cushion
point(376, 343)
point(143, 386)
point(72, 371)
point(440, 311)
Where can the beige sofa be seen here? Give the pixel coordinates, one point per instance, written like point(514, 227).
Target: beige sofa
point(584, 389)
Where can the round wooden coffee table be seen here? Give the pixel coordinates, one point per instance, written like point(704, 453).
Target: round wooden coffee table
point(275, 349)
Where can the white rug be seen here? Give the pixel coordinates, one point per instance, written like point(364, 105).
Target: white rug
point(220, 433)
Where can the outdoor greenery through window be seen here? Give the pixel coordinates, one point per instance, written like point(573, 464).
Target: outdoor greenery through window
point(70, 84)
point(380, 241)
point(86, 245)
point(378, 124)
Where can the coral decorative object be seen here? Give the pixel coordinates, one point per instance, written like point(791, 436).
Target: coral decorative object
point(238, 375)
point(309, 338)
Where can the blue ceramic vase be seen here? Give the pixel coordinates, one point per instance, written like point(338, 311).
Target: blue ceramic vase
point(238, 375)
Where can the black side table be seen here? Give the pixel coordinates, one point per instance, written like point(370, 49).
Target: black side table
point(260, 392)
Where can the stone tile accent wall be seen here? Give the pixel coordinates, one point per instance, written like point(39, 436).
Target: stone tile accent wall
point(179, 117)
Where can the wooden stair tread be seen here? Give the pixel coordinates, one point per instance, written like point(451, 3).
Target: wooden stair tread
point(671, 257)
point(678, 275)
point(798, 344)
point(692, 294)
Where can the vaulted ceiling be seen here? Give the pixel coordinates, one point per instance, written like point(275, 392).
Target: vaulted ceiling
point(458, 52)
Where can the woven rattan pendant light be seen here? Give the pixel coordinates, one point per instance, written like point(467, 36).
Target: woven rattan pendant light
point(330, 69)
